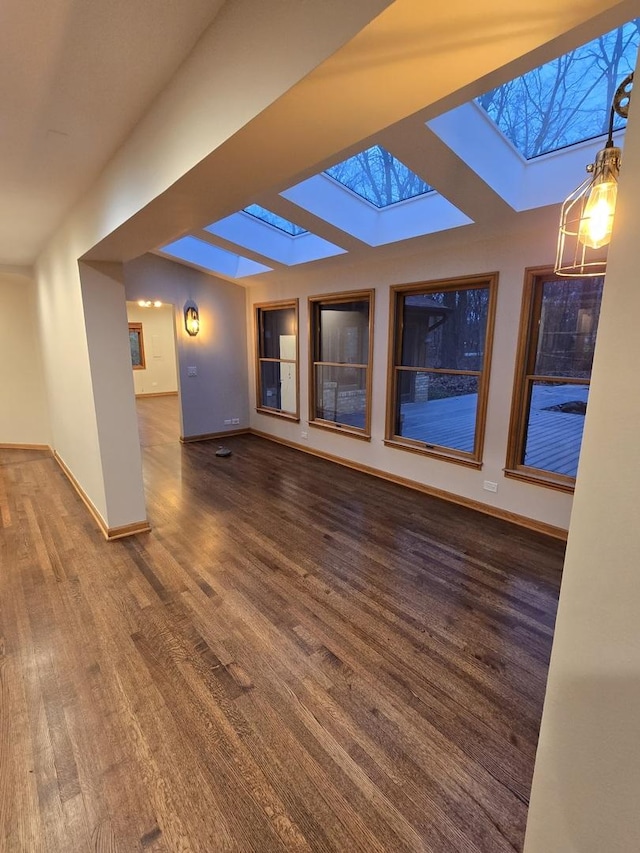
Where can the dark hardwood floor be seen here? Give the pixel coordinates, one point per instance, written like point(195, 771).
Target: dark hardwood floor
point(298, 657)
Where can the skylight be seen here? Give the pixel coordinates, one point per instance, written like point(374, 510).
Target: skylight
point(379, 177)
point(567, 100)
point(212, 258)
point(275, 220)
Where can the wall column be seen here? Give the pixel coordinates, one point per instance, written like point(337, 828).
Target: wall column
point(586, 787)
point(105, 314)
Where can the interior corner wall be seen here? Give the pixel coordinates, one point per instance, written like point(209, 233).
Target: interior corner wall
point(159, 375)
point(74, 430)
point(456, 254)
point(24, 416)
point(586, 785)
point(218, 390)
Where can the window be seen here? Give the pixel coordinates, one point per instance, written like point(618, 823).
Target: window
point(274, 219)
point(439, 367)
point(341, 355)
point(378, 177)
point(136, 344)
point(277, 358)
point(557, 338)
point(568, 99)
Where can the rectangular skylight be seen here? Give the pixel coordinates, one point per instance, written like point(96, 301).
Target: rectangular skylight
point(379, 177)
point(567, 100)
point(275, 220)
point(211, 258)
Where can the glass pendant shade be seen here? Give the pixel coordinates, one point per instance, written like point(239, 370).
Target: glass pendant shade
point(586, 221)
point(596, 224)
point(586, 218)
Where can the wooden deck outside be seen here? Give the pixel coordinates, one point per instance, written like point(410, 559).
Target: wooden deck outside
point(553, 440)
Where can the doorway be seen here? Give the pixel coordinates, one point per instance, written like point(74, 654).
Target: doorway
point(155, 371)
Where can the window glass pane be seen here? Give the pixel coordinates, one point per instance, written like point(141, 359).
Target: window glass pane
point(278, 323)
point(568, 325)
point(134, 343)
point(379, 177)
point(437, 408)
point(341, 395)
point(445, 330)
point(278, 386)
point(568, 99)
point(275, 220)
point(554, 428)
point(344, 332)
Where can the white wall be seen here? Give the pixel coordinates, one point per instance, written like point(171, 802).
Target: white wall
point(159, 375)
point(24, 417)
point(586, 787)
point(219, 352)
point(509, 256)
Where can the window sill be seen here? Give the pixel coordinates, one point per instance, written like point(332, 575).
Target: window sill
point(276, 413)
point(541, 478)
point(434, 453)
point(330, 426)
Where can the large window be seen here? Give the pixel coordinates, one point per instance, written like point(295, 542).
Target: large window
point(277, 358)
point(557, 338)
point(439, 363)
point(341, 354)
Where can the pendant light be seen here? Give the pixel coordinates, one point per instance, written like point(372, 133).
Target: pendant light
point(586, 219)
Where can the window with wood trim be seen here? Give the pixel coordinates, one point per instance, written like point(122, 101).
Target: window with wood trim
point(136, 345)
point(557, 339)
point(276, 334)
point(341, 353)
point(440, 353)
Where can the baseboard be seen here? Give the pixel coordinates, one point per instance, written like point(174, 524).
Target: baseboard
point(110, 533)
point(157, 394)
point(124, 530)
point(209, 436)
point(450, 497)
point(11, 446)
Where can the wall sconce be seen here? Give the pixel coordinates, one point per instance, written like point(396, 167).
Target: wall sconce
point(191, 319)
point(586, 219)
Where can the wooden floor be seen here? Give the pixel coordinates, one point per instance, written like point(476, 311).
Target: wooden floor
point(298, 657)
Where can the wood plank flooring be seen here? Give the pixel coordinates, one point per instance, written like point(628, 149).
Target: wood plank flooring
point(299, 657)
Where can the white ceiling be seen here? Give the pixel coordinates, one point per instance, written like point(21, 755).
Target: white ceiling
point(75, 77)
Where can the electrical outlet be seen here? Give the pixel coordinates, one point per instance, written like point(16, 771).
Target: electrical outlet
point(192, 371)
point(488, 486)
point(235, 420)
point(227, 421)
point(304, 434)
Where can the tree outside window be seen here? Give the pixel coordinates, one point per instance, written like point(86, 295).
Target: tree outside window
point(557, 339)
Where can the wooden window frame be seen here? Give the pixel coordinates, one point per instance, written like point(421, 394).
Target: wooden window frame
point(315, 303)
point(259, 309)
point(398, 292)
point(137, 328)
point(524, 377)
